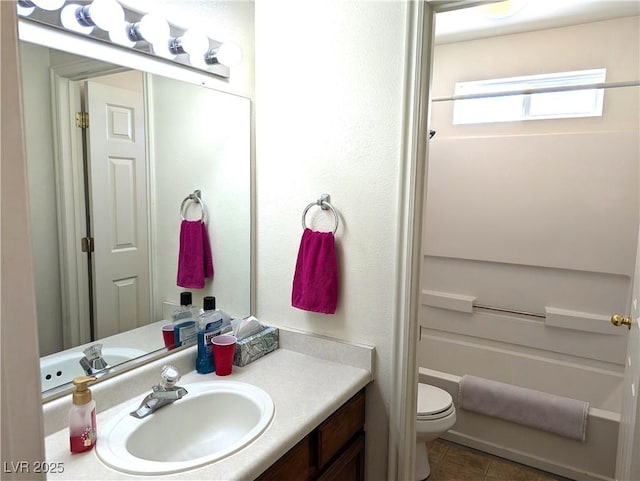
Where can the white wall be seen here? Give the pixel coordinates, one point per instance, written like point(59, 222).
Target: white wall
point(22, 430)
point(206, 146)
point(532, 215)
point(42, 194)
point(329, 85)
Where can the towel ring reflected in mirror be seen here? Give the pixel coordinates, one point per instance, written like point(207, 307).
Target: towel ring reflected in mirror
point(322, 202)
point(197, 198)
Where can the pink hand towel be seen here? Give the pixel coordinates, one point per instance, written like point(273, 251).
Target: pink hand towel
point(315, 282)
point(195, 263)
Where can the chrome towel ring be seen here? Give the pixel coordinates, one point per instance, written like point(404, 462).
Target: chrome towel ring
point(324, 203)
point(197, 198)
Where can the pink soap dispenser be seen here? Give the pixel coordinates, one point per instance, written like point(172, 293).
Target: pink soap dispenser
point(82, 417)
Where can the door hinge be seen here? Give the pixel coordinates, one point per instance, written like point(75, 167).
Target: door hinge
point(87, 244)
point(82, 120)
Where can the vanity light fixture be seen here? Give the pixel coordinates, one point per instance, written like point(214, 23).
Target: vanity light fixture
point(69, 19)
point(152, 28)
point(104, 14)
point(228, 54)
point(193, 42)
point(43, 4)
point(147, 33)
point(120, 34)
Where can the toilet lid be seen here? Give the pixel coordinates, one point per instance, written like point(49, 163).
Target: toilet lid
point(432, 400)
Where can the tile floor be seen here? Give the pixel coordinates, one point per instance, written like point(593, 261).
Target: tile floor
point(452, 462)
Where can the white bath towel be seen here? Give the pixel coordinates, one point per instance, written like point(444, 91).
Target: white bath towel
point(548, 412)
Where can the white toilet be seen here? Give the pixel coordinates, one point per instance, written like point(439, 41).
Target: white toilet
point(435, 415)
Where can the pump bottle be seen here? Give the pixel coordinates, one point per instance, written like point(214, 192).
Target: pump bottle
point(82, 416)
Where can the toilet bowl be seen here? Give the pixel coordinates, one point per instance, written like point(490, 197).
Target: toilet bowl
point(435, 415)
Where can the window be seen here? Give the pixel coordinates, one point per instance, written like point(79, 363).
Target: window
point(507, 107)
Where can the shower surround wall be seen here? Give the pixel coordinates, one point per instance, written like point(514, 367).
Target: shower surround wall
point(530, 216)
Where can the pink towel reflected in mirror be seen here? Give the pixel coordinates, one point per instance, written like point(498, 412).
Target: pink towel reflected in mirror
point(195, 263)
point(315, 281)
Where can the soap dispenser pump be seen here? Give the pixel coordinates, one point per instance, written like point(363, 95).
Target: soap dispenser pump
point(82, 416)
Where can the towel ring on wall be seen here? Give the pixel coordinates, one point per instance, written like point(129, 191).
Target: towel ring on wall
point(197, 198)
point(324, 203)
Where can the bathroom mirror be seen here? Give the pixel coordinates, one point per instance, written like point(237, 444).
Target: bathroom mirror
point(189, 138)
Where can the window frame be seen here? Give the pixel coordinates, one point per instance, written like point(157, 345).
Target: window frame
point(517, 86)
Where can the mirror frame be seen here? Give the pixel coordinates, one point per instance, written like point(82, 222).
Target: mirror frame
point(36, 33)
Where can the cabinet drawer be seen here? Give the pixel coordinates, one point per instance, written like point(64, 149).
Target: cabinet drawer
point(293, 466)
point(335, 432)
point(349, 465)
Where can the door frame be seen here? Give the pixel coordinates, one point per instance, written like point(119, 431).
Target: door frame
point(411, 192)
point(411, 198)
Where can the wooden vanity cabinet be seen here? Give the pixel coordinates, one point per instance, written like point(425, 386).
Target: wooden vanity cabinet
point(334, 451)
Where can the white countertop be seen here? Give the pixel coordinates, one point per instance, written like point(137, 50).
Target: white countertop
point(305, 391)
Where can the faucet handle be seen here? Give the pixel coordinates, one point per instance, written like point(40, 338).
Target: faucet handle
point(169, 376)
point(93, 352)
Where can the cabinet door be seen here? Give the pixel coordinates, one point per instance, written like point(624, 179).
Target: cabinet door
point(336, 431)
point(296, 465)
point(349, 466)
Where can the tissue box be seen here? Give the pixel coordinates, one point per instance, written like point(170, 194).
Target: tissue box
point(255, 346)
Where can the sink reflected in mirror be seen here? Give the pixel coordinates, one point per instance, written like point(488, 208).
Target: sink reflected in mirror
point(214, 420)
point(63, 367)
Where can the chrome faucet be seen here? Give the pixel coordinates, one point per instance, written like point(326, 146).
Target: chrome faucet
point(93, 362)
point(162, 394)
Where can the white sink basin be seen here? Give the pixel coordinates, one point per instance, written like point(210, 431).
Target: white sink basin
point(62, 368)
point(215, 419)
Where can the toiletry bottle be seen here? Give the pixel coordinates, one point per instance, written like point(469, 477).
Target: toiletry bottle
point(184, 320)
point(82, 417)
point(186, 309)
point(210, 316)
point(209, 324)
point(219, 315)
point(184, 332)
point(204, 360)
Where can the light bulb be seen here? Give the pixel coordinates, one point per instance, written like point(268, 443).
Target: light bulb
point(25, 8)
point(195, 43)
point(161, 49)
point(69, 19)
point(502, 9)
point(228, 54)
point(152, 28)
point(48, 4)
point(106, 14)
point(120, 35)
point(198, 61)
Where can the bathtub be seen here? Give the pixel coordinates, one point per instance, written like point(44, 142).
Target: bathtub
point(595, 459)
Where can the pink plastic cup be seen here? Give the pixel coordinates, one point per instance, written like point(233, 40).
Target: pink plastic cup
point(224, 348)
point(167, 335)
